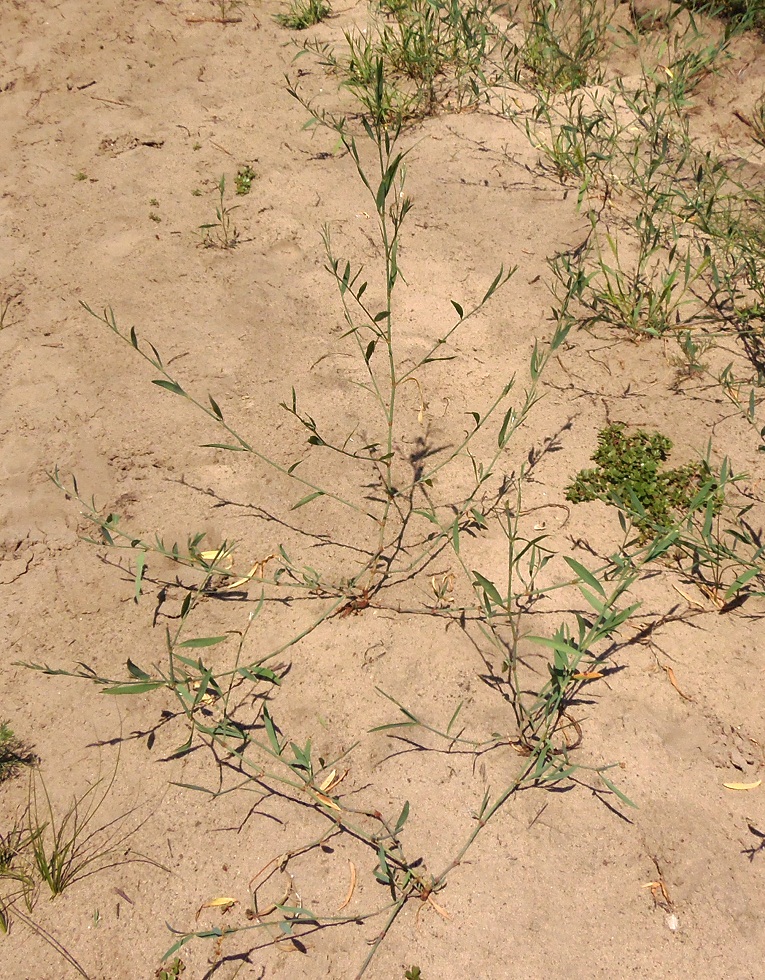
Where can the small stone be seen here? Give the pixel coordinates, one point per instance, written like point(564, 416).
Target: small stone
point(737, 759)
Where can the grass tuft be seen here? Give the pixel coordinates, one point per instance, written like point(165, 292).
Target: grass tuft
point(304, 14)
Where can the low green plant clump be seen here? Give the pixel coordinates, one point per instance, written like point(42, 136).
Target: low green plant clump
point(629, 474)
point(750, 13)
point(243, 180)
point(303, 14)
point(758, 120)
point(172, 970)
point(564, 43)
point(438, 54)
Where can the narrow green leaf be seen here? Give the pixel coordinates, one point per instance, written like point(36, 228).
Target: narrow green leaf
point(299, 912)
point(136, 671)
point(478, 517)
point(176, 946)
point(203, 641)
point(193, 786)
point(740, 582)
point(458, 308)
point(223, 445)
point(402, 819)
point(454, 717)
point(488, 587)
point(555, 775)
point(535, 363)
point(385, 874)
point(394, 724)
point(585, 575)
point(307, 499)
point(596, 604)
point(509, 417)
point(662, 545)
point(345, 278)
point(215, 407)
point(169, 386)
point(494, 284)
point(618, 792)
point(183, 749)
point(158, 361)
point(259, 674)
point(569, 652)
point(140, 687)
point(271, 731)
point(185, 605)
point(456, 536)
point(139, 568)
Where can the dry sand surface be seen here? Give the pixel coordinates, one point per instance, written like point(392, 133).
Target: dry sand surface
point(117, 120)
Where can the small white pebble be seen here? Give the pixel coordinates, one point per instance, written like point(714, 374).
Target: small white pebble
point(673, 923)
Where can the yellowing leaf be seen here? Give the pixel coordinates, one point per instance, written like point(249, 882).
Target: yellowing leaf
point(333, 780)
point(742, 786)
point(257, 571)
point(329, 780)
point(222, 903)
point(688, 599)
point(589, 675)
point(244, 580)
point(327, 802)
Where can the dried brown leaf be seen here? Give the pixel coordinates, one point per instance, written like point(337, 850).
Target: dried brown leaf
point(351, 888)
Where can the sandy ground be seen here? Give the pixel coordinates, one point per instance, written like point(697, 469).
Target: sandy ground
point(112, 115)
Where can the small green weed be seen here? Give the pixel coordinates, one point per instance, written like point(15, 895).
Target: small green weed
point(629, 474)
point(413, 973)
point(68, 846)
point(303, 14)
point(172, 971)
point(692, 348)
point(220, 233)
point(45, 846)
point(229, 10)
point(14, 754)
point(153, 216)
point(80, 175)
point(244, 178)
